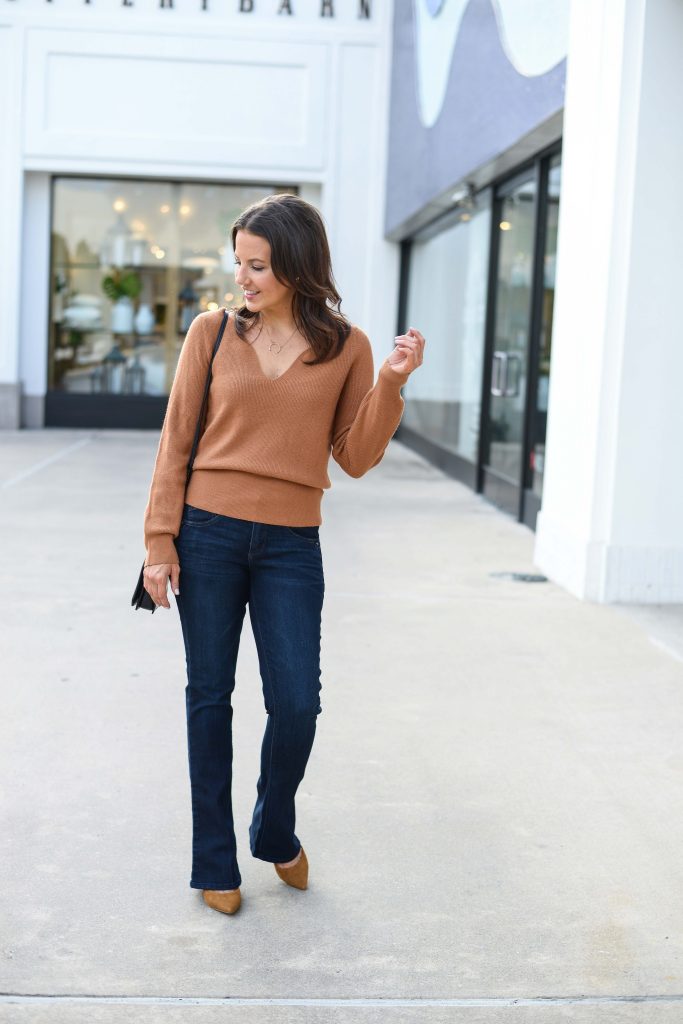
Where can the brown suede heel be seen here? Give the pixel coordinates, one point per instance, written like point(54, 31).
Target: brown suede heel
point(297, 875)
point(226, 902)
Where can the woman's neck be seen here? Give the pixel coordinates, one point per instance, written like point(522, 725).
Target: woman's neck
point(278, 321)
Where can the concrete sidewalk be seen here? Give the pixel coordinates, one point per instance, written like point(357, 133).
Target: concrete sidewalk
point(492, 809)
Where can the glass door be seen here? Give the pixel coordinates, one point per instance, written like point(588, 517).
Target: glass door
point(519, 334)
point(503, 441)
point(544, 300)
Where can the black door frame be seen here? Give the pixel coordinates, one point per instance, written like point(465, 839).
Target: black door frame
point(516, 499)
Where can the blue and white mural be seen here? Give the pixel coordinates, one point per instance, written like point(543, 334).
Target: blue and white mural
point(469, 78)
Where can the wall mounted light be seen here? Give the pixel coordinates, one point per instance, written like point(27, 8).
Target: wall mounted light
point(464, 195)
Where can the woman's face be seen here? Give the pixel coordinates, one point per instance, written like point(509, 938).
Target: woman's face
point(253, 274)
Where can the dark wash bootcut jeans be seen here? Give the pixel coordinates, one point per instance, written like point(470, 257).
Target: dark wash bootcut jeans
point(225, 564)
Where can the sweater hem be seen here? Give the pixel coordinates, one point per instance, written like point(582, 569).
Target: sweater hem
point(259, 499)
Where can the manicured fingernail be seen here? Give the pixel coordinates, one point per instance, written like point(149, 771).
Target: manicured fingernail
point(176, 591)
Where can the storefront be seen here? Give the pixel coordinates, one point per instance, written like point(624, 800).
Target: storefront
point(139, 134)
point(477, 102)
point(132, 263)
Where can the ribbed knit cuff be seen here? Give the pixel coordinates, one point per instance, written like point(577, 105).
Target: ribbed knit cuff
point(391, 376)
point(162, 551)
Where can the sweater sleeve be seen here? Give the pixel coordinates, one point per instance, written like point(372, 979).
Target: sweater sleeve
point(366, 417)
point(167, 490)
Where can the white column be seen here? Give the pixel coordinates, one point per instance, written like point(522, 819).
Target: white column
point(366, 265)
point(34, 327)
point(11, 47)
point(611, 524)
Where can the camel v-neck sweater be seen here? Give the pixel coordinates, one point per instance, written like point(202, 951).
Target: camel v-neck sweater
point(265, 448)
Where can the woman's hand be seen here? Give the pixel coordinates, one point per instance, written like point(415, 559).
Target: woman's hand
point(155, 580)
point(408, 352)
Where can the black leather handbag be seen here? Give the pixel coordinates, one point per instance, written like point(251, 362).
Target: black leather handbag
point(141, 598)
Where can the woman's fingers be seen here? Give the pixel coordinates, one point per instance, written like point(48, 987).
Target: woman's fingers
point(408, 353)
point(411, 348)
point(162, 594)
point(412, 341)
point(156, 583)
point(417, 341)
point(175, 579)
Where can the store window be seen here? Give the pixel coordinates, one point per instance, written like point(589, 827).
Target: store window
point(132, 264)
point(446, 301)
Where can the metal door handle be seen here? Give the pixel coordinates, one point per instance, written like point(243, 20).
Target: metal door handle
point(499, 373)
point(510, 392)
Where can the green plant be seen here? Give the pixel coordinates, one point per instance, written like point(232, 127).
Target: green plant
point(122, 283)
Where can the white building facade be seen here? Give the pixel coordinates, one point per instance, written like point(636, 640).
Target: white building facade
point(611, 524)
point(133, 132)
point(541, 259)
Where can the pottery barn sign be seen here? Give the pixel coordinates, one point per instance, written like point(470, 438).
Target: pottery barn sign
point(327, 7)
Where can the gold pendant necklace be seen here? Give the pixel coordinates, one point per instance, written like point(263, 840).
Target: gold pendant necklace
point(274, 347)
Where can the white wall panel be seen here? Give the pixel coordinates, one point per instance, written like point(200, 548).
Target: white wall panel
point(167, 98)
point(365, 265)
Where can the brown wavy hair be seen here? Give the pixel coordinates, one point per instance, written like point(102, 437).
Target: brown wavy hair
point(300, 259)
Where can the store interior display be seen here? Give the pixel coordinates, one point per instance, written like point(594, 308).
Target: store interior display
point(132, 264)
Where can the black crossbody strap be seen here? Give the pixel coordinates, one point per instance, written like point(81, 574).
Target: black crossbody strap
point(205, 398)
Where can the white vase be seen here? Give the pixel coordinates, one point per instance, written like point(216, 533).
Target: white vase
point(122, 316)
point(144, 319)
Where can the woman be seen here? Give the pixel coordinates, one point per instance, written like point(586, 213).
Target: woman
point(246, 531)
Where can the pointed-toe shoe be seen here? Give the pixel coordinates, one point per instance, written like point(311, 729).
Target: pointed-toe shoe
point(226, 902)
point(297, 875)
